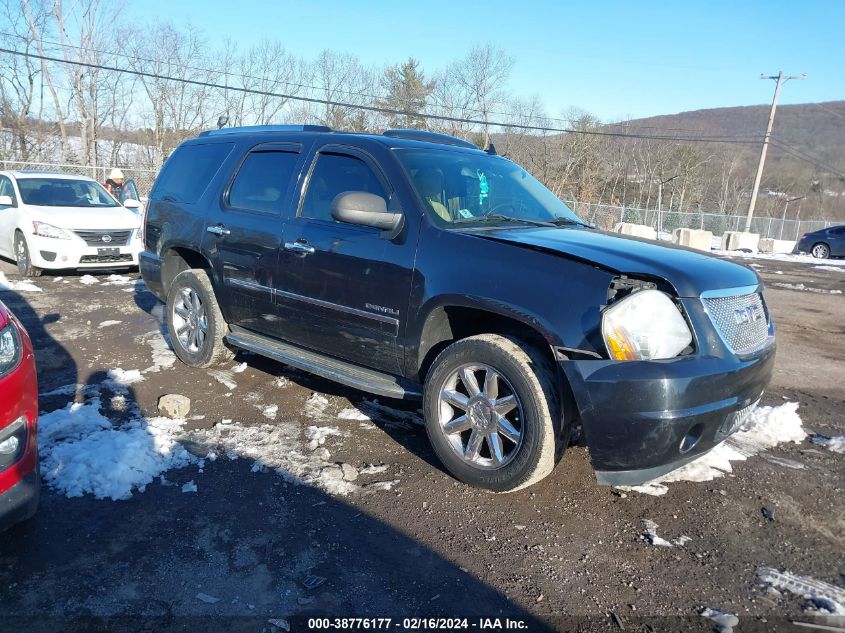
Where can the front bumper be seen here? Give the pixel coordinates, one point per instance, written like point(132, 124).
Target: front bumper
point(49, 253)
point(643, 419)
point(20, 502)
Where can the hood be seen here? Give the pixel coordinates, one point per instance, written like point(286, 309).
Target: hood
point(690, 272)
point(89, 218)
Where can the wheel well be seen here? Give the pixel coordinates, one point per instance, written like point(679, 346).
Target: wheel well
point(448, 324)
point(175, 260)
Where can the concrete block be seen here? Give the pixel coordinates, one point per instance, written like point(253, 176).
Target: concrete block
point(694, 238)
point(637, 230)
point(768, 245)
point(737, 240)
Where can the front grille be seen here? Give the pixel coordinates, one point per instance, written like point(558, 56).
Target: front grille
point(112, 238)
point(741, 320)
point(104, 259)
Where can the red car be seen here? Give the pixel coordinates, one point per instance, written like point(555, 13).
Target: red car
point(19, 477)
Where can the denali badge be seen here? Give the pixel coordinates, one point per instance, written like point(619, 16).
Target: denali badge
point(748, 314)
point(106, 238)
point(382, 309)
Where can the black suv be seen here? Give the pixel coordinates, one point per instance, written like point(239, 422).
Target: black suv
point(413, 264)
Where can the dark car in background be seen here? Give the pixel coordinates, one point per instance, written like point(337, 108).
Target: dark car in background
point(19, 478)
point(415, 265)
point(824, 243)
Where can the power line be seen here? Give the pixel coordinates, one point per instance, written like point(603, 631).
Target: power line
point(569, 121)
point(826, 109)
point(370, 108)
point(272, 82)
point(800, 155)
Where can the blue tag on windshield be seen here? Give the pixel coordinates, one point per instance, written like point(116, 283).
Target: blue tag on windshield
point(483, 188)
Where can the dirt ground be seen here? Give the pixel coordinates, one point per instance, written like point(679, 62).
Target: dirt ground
point(565, 554)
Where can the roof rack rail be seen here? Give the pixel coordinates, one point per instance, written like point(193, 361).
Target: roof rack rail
point(431, 137)
point(249, 129)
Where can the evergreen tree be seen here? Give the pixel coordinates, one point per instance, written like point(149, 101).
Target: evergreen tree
point(406, 89)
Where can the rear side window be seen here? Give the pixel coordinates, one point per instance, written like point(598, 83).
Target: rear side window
point(262, 181)
point(188, 171)
point(334, 174)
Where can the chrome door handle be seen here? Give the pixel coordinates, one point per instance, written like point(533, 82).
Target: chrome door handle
point(218, 230)
point(299, 247)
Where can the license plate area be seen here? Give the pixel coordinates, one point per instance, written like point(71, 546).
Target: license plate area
point(108, 252)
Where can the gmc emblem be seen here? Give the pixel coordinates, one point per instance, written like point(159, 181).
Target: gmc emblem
point(748, 314)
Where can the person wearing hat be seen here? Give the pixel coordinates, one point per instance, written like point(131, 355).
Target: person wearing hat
point(114, 183)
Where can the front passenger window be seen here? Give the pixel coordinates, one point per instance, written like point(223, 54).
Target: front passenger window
point(332, 175)
point(6, 189)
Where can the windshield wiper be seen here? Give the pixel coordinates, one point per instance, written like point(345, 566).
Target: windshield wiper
point(498, 217)
point(564, 221)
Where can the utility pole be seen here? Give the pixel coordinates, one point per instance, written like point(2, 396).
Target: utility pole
point(781, 79)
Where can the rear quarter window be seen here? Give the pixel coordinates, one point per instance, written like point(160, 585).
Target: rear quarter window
point(188, 172)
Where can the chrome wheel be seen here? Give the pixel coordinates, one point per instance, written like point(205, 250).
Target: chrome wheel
point(189, 320)
point(481, 416)
point(821, 251)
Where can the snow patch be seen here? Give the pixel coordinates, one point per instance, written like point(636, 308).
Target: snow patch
point(123, 377)
point(108, 324)
point(224, 377)
point(317, 435)
point(239, 368)
point(162, 351)
point(88, 280)
point(651, 535)
point(82, 452)
point(270, 411)
point(835, 444)
point(824, 597)
point(820, 291)
point(351, 413)
point(17, 286)
point(316, 405)
point(779, 257)
point(725, 622)
point(765, 428)
point(189, 487)
point(838, 269)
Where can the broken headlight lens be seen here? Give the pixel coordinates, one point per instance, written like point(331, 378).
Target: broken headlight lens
point(10, 349)
point(645, 326)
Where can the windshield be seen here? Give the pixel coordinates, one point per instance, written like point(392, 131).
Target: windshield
point(64, 192)
point(461, 189)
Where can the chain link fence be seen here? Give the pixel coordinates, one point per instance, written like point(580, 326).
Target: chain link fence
point(143, 178)
point(607, 217)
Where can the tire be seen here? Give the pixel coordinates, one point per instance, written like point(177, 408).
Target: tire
point(24, 261)
point(194, 321)
point(820, 250)
point(523, 372)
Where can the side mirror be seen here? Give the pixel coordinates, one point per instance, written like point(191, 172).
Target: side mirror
point(129, 203)
point(365, 209)
point(6, 201)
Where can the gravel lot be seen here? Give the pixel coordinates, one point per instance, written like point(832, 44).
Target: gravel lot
point(289, 537)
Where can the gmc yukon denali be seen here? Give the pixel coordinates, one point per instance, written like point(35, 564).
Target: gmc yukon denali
point(414, 265)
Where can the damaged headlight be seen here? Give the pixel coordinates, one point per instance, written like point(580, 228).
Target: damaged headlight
point(645, 325)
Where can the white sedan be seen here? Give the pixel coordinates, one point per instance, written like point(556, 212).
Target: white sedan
point(50, 220)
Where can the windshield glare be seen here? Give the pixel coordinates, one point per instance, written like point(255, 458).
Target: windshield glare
point(64, 192)
point(460, 188)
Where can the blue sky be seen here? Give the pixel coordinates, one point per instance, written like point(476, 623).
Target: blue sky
point(614, 59)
